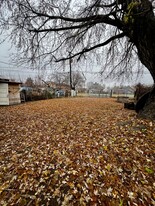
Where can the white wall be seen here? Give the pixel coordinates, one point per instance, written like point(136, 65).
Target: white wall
point(4, 96)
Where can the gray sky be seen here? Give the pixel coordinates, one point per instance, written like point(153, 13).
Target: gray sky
point(10, 70)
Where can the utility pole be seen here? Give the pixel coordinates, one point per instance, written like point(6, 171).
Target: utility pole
point(70, 70)
point(71, 82)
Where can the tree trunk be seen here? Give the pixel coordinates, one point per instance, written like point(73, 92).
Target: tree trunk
point(148, 111)
point(142, 34)
point(146, 45)
point(146, 53)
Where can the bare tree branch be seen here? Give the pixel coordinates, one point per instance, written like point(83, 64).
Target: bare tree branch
point(94, 47)
point(106, 5)
point(44, 30)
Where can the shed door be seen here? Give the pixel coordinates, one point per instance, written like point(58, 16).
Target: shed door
point(4, 96)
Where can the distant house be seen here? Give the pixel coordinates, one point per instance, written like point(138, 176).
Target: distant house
point(9, 92)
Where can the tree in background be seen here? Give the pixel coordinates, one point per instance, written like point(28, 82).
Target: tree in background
point(95, 88)
point(78, 80)
point(29, 82)
point(59, 78)
point(48, 30)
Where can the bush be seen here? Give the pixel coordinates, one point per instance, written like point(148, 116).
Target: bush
point(141, 90)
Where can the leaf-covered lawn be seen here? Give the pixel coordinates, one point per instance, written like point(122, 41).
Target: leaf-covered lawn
point(80, 151)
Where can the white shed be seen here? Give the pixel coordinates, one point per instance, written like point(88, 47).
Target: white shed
point(9, 92)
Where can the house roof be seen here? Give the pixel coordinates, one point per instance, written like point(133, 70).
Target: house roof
point(9, 81)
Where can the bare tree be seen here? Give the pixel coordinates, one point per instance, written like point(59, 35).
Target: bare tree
point(29, 82)
point(95, 87)
point(77, 79)
point(59, 78)
point(52, 30)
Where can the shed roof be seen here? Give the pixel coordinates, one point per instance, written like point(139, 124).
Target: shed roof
point(9, 81)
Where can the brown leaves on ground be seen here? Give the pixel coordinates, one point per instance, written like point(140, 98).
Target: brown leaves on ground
point(80, 151)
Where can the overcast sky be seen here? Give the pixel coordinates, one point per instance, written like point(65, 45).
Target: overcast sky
point(9, 70)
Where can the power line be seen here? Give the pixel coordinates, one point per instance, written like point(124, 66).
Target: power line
point(29, 70)
point(7, 63)
point(7, 69)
